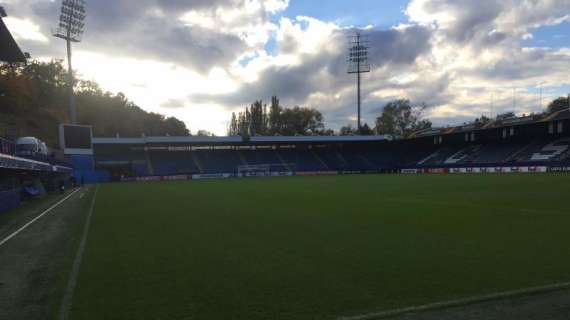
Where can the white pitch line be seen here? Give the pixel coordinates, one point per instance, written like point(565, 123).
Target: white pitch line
point(37, 218)
point(460, 302)
point(72, 282)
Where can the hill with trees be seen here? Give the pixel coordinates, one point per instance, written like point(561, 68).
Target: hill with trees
point(34, 101)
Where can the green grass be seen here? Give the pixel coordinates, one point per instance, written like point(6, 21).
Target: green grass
point(318, 248)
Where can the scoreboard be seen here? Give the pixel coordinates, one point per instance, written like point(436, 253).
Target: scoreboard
point(76, 139)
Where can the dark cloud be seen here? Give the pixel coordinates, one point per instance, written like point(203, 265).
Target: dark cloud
point(327, 71)
point(398, 46)
point(148, 29)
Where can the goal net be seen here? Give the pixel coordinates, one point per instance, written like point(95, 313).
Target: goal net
point(266, 170)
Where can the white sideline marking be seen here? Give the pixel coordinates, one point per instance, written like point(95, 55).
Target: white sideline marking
point(459, 302)
point(37, 218)
point(72, 282)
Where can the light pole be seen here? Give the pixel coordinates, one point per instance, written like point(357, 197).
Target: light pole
point(358, 64)
point(70, 29)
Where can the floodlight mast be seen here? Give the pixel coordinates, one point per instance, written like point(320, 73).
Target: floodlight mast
point(70, 29)
point(358, 64)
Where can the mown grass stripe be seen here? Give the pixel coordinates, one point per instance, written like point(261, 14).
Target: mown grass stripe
point(72, 282)
point(460, 302)
point(47, 211)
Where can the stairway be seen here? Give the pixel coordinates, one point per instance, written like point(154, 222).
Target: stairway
point(321, 161)
point(197, 163)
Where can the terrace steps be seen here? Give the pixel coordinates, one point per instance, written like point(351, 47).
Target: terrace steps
point(321, 161)
point(198, 164)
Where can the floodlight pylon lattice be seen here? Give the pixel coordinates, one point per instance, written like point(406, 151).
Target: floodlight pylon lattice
point(70, 28)
point(358, 64)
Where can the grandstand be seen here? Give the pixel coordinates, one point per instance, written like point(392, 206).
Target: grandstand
point(527, 141)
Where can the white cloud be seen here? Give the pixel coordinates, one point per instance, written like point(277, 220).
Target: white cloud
point(24, 29)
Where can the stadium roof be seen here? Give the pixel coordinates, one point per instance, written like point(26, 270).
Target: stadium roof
point(317, 139)
point(9, 50)
point(150, 140)
point(238, 139)
point(510, 122)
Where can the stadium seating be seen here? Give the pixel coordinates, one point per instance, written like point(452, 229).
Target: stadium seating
point(465, 155)
point(498, 152)
point(339, 157)
point(218, 161)
point(305, 159)
point(170, 163)
point(552, 150)
point(260, 156)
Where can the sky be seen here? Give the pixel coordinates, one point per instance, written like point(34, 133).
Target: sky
point(201, 60)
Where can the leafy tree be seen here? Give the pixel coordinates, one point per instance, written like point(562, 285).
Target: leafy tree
point(275, 116)
point(365, 130)
point(483, 120)
point(559, 104)
point(205, 133)
point(400, 118)
point(301, 121)
point(347, 130)
point(506, 115)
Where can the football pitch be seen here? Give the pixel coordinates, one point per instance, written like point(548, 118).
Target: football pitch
point(318, 247)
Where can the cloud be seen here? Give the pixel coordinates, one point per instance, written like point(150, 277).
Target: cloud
point(315, 53)
point(173, 104)
point(160, 29)
point(201, 59)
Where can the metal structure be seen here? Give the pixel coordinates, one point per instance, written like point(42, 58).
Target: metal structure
point(9, 50)
point(70, 29)
point(358, 64)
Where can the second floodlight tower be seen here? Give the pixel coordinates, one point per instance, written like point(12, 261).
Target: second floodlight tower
point(358, 64)
point(70, 29)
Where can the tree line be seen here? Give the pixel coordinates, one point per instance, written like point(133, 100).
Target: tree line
point(34, 101)
point(259, 119)
point(398, 118)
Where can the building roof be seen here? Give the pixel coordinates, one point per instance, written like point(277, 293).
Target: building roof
point(238, 139)
point(9, 50)
point(319, 139)
point(173, 140)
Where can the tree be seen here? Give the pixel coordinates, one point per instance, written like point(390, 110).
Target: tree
point(258, 120)
point(400, 118)
point(234, 128)
point(365, 130)
point(275, 117)
point(205, 133)
point(559, 104)
point(301, 122)
point(506, 116)
point(347, 131)
point(483, 120)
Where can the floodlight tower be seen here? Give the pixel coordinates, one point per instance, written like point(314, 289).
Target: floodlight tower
point(358, 63)
point(70, 29)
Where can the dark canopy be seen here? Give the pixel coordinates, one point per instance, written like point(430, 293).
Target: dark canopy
point(9, 50)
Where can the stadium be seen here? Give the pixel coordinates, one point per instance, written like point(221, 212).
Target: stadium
point(456, 222)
